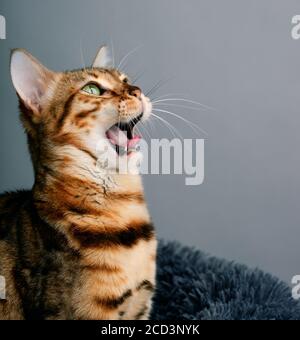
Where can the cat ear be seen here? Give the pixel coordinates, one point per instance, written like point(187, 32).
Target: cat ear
point(30, 79)
point(103, 58)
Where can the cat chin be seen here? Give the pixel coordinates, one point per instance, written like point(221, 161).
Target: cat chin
point(112, 163)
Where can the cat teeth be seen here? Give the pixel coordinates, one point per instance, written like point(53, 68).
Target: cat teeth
point(136, 148)
point(124, 150)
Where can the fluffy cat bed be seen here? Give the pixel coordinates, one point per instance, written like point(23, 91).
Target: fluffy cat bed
point(194, 286)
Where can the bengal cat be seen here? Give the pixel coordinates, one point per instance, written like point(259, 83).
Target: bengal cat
point(80, 244)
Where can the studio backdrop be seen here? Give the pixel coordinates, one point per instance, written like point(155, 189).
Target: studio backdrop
point(237, 63)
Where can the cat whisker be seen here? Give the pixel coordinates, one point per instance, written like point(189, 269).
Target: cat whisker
point(128, 55)
point(178, 105)
point(170, 126)
point(143, 125)
point(192, 125)
point(112, 52)
point(157, 86)
point(145, 129)
point(151, 125)
point(138, 76)
point(147, 94)
point(169, 94)
point(183, 100)
point(81, 54)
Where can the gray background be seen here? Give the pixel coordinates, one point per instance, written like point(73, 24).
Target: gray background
point(237, 56)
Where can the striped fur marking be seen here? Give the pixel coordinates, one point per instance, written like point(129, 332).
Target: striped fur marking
point(66, 111)
point(126, 196)
point(147, 285)
point(113, 303)
point(141, 313)
point(127, 237)
point(103, 268)
point(80, 245)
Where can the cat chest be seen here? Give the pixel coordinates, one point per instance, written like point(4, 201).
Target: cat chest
point(116, 282)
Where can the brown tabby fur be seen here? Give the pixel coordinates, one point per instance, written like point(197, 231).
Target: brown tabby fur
point(76, 247)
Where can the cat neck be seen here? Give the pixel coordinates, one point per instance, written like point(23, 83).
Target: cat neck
point(70, 190)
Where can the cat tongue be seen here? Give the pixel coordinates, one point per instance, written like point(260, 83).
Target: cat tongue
point(117, 136)
point(132, 143)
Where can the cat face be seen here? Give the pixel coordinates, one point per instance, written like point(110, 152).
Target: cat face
point(80, 108)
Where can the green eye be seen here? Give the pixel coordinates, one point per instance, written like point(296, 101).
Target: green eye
point(92, 89)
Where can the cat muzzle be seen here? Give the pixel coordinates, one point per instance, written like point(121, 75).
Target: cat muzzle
point(123, 138)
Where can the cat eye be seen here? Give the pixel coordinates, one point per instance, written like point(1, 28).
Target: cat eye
point(93, 89)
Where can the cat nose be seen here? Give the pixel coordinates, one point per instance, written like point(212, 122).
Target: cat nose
point(135, 92)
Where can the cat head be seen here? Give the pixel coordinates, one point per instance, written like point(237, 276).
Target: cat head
point(74, 110)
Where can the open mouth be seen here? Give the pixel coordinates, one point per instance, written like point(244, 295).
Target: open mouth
point(123, 137)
